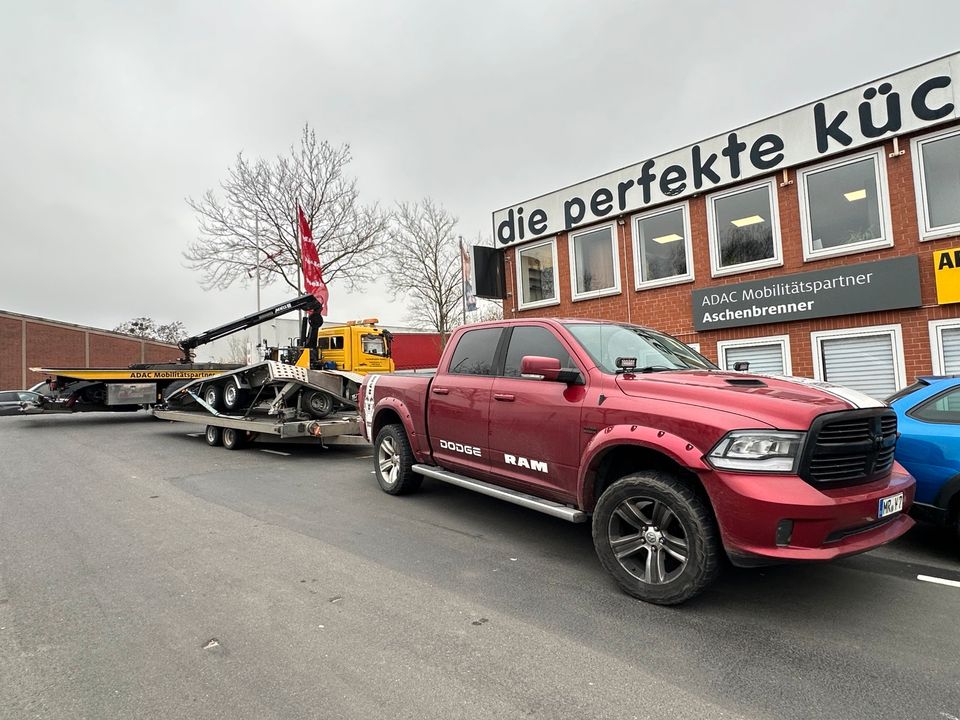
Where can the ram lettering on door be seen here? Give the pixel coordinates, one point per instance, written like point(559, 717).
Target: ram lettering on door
point(523, 462)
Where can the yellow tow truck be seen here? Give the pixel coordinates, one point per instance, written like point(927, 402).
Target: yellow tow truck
point(359, 347)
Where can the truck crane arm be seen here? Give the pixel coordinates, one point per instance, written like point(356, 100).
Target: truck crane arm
point(304, 302)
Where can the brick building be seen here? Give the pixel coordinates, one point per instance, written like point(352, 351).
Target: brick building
point(818, 242)
point(27, 341)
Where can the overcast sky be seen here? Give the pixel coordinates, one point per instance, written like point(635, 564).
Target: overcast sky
point(114, 112)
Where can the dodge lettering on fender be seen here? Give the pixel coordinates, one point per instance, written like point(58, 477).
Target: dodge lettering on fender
point(674, 461)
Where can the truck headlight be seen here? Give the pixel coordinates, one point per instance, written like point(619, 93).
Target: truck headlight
point(758, 451)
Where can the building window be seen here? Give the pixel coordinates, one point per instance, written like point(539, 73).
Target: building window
point(744, 228)
point(537, 275)
point(768, 355)
point(594, 263)
point(662, 253)
point(844, 207)
point(866, 359)
point(936, 177)
point(945, 346)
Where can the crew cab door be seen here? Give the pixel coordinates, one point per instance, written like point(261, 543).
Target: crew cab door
point(459, 403)
point(535, 430)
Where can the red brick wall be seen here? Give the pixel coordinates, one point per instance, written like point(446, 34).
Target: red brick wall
point(50, 344)
point(156, 353)
point(111, 351)
point(11, 374)
point(669, 308)
point(53, 346)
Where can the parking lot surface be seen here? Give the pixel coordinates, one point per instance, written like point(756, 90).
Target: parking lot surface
point(144, 574)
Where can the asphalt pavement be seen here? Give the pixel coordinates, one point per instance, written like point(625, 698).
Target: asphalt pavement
point(146, 575)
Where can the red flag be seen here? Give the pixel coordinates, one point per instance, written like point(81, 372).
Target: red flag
point(312, 270)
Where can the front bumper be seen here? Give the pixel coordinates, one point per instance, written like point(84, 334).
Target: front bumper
point(826, 523)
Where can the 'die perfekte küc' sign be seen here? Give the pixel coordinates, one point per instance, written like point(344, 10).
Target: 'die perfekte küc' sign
point(842, 290)
point(905, 102)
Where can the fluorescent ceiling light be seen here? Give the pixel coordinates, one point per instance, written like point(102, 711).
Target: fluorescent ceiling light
point(752, 220)
point(663, 239)
point(860, 194)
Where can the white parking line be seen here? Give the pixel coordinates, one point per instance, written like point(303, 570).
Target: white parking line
point(195, 434)
point(938, 581)
point(275, 452)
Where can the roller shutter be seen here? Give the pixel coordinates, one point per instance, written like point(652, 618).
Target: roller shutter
point(950, 345)
point(863, 362)
point(766, 358)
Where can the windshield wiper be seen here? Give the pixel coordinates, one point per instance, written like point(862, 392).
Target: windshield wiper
point(655, 368)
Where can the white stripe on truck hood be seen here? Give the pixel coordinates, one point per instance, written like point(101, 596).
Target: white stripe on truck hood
point(854, 397)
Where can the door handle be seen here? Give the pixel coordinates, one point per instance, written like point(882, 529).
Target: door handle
point(441, 391)
point(504, 397)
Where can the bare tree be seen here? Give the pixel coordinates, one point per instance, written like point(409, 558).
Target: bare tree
point(171, 332)
point(144, 327)
point(424, 264)
point(255, 222)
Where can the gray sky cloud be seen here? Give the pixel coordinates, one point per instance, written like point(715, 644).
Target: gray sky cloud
point(114, 112)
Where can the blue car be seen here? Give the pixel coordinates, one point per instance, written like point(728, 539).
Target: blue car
point(928, 413)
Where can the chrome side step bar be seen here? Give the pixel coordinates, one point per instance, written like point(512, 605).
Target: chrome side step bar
point(512, 496)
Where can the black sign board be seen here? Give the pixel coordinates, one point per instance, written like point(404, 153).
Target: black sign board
point(841, 290)
point(488, 268)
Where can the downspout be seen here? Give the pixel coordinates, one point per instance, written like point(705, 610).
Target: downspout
point(621, 229)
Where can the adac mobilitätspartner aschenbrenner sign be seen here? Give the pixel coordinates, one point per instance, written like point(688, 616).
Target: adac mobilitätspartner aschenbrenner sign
point(910, 100)
point(842, 290)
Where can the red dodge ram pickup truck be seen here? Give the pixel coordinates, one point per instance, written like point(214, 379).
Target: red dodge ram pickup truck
point(676, 460)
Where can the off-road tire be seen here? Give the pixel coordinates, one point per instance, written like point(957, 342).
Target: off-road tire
point(213, 395)
point(639, 501)
point(234, 439)
point(318, 404)
point(393, 461)
point(233, 396)
point(213, 436)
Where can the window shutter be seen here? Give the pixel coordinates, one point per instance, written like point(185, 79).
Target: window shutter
point(950, 344)
point(767, 358)
point(863, 363)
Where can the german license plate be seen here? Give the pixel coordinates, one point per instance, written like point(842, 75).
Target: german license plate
point(890, 505)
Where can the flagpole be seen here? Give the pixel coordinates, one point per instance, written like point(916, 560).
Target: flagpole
point(256, 232)
point(463, 283)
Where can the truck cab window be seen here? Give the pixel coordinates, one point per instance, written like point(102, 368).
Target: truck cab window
point(475, 352)
point(537, 341)
point(374, 344)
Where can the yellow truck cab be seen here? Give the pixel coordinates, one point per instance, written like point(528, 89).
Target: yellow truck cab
point(359, 346)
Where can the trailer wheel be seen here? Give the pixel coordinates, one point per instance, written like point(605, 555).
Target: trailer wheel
point(213, 396)
point(214, 436)
point(232, 396)
point(393, 461)
point(233, 439)
point(656, 537)
point(319, 404)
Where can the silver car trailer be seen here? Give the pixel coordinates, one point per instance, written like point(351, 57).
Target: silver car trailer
point(270, 398)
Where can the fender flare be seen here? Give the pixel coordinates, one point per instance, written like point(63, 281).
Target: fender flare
point(681, 451)
point(398, 407)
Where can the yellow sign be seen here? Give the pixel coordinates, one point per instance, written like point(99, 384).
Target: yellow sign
point(946, 269)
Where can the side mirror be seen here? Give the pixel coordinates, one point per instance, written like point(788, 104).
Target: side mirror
point(547, 368)
point(741, 366)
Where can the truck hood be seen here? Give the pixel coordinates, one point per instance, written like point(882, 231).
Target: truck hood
point(779, 401)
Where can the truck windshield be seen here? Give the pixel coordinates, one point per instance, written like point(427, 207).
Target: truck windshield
point(374, 345)
point(605, 343)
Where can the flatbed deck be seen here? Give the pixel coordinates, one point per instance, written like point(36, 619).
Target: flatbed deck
point(343, 429)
